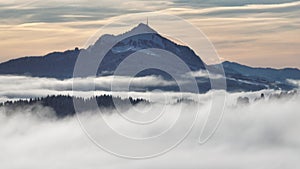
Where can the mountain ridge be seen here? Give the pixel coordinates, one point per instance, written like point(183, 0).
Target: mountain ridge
point(260, 67)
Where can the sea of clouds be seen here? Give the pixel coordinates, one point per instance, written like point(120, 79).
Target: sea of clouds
point(16, 87)
point(262, 134)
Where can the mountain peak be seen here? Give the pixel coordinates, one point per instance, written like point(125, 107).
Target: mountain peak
point(143, 28)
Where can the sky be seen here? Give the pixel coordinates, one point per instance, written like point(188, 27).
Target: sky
point(257, 33)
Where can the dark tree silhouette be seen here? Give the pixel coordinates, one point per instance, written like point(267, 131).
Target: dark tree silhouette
point(64, 105)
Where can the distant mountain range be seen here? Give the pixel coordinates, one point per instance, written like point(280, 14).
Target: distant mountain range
point(61, 64)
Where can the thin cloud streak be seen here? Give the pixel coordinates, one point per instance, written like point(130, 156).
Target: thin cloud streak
point(181, 11)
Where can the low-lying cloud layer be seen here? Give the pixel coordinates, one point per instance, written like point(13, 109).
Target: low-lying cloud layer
point(29, 87)
point(261, 134)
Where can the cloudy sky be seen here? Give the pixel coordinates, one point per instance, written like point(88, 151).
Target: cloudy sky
point(257, 33)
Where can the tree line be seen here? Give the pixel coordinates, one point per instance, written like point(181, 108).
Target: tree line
point(64, 105)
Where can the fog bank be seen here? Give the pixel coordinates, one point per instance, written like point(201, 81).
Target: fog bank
point(263, 134)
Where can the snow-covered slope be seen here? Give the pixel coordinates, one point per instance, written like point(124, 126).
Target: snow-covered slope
point(140, 38)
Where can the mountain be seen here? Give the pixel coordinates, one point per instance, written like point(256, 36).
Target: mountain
point(57, 65)
point(139, 38)
point(269, 74)
point(61, 64)
point(119, 47)
point(261, 78)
